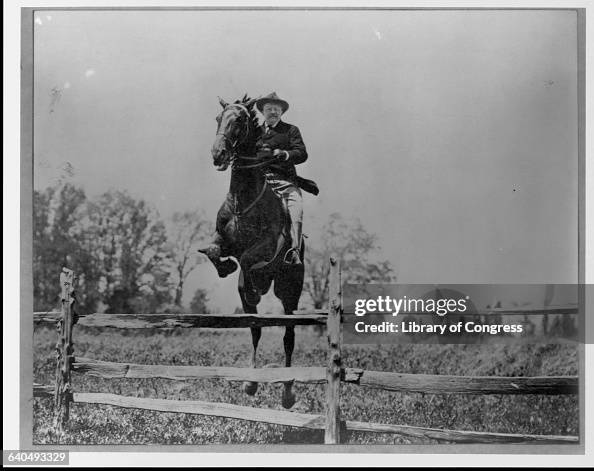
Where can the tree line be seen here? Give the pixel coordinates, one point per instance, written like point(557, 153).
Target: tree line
point(130, 260)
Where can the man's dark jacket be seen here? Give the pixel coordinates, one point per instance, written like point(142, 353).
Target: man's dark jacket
point(283, 136)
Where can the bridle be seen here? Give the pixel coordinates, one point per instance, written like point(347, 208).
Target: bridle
point(235, 157)
point(241, 140)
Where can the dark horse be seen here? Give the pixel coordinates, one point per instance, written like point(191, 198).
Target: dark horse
point(253, 227)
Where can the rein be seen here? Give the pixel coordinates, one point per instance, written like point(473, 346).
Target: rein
point(259, 164)
point(244, 211)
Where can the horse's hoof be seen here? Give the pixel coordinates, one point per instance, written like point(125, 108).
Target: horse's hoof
point(250, 388)
point(212, 251)
point(226, 267)
point(289, 399)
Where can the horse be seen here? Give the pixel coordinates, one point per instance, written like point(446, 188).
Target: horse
point(253, 227)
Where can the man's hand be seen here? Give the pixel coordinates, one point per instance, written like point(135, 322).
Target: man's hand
point(265, 153)
point(281, 154)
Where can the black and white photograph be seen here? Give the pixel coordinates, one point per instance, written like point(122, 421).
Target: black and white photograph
point(288, 229)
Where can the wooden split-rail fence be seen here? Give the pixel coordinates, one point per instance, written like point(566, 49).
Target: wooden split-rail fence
point(333, 374)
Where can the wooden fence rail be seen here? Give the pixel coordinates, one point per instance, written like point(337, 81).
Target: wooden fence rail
point(309, 421)
point(446, 384)
point(171, 321)
point(332, 375)
point(54, 316)
point(400, 382)
point(109, 370)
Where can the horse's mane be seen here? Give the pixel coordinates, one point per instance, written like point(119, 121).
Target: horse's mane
point(255, 122)
point(253, 115)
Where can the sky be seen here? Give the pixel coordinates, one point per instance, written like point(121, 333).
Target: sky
point(452, 135)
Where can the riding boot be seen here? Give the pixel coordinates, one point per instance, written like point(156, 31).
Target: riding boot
point(293, 256)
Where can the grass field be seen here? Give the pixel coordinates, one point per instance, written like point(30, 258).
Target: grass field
point(95, 424)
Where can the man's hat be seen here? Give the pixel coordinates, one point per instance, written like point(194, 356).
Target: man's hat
point(272, 98)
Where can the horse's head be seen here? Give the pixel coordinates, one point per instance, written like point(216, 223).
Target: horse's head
point(233, 130)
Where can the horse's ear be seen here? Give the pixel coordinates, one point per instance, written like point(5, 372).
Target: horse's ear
point(223, 102)
point(251, 103)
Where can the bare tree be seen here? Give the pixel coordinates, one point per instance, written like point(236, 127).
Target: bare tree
point(186, 232)
point(357, 250)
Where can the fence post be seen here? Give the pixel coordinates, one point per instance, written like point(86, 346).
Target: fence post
point(64, 350)
point(332, 435)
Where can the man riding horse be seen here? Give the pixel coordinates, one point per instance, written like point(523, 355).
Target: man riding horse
point(259, 223)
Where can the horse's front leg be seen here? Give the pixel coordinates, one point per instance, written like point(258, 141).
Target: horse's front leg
point(219, 247)
point(215, 251)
